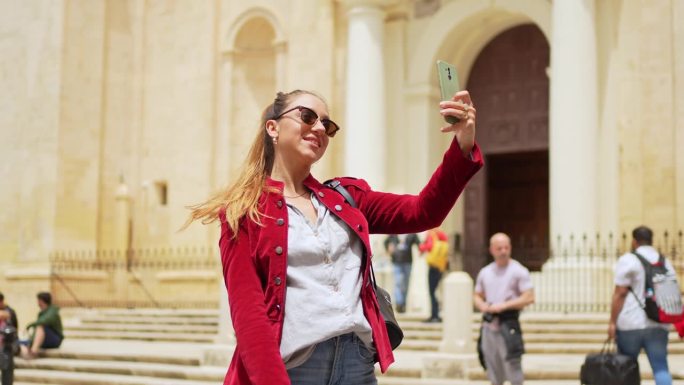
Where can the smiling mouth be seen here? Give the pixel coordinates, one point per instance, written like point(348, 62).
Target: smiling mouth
point(314, 141)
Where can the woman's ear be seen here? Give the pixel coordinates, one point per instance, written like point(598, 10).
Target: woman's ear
point(272, 128)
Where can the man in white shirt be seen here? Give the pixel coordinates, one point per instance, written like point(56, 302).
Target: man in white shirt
point(629, 325)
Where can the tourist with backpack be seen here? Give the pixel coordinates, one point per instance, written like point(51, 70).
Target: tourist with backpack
point(437, 248)
point(640, 277)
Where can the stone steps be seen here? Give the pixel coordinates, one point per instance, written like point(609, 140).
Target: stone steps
point(144, 347)
point(140, 336)
point(141, 369)
point(559, 347)
point(134, 327)
point(84, 371)
point(212, 321)
point(179, 360)
point(35, 376)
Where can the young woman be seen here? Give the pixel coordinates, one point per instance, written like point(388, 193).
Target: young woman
point(296, 258)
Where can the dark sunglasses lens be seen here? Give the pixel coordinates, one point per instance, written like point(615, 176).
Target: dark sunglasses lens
point(330, 127)
point(308, 116)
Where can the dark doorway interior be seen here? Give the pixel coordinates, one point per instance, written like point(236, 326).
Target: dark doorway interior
point(518, 203)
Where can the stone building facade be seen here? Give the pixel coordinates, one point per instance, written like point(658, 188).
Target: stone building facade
point(116, 114)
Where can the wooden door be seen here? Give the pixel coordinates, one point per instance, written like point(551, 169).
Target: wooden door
point(518, 203)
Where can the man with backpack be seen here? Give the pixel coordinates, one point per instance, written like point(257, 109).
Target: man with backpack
point(642, 306)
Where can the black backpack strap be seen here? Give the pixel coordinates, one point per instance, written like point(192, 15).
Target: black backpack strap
point(337, 186)
point(647, 265)
point(648, 275)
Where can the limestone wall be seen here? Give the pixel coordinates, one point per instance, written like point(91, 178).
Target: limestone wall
point(167, 96)
point(30, 78)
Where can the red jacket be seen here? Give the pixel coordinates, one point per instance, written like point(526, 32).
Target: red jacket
point(255, 262)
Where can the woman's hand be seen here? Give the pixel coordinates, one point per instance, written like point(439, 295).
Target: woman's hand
point(461, 107)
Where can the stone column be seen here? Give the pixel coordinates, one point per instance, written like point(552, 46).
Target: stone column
point(364, 124)
point(222, 153)
point(221, 352)
point(457, 313)
point(573, 137)
point(573, 119)
point(457, 358)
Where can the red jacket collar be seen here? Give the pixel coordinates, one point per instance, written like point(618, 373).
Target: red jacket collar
point(310, 182)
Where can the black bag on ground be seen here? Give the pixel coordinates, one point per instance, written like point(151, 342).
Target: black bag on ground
point(609, 368)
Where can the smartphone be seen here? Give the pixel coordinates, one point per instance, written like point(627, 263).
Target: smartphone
point(448, 84)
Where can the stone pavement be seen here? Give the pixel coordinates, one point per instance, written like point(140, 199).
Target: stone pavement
point(173, 347)
point(548, 366)
point(184, 360)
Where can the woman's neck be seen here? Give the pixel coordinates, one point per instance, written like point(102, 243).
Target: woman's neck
point(293, 179)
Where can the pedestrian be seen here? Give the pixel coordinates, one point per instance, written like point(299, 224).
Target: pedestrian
point(46, 331)
point(629, 325)
point(400, 249)
point(296, 258)
point(437, 249)
point(503, 288)
point(11, 314)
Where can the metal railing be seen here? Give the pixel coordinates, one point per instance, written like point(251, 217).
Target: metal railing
point(578, 275)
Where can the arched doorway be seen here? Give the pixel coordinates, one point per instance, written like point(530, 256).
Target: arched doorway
point(510, 87)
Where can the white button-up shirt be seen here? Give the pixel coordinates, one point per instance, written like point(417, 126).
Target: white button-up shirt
point(323, 284)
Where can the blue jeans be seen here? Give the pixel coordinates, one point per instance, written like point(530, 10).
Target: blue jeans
point(654, 341)
point(341, 360)
point(402, 273)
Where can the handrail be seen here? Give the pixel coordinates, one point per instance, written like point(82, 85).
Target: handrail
point(142, 286)
point(68, 289)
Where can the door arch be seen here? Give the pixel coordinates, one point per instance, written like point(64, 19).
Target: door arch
point(510, 87)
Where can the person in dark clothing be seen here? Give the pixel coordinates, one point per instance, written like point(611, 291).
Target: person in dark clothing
point(47, 329)
point(12, 320)
point(400, 249)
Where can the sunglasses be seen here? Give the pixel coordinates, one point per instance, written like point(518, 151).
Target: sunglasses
point(310, 117)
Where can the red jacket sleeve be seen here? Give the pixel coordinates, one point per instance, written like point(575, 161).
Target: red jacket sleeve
point(395, 214)
point(259, 348)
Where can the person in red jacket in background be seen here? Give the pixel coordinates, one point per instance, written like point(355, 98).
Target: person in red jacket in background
point(296, 257)
point(437, 248)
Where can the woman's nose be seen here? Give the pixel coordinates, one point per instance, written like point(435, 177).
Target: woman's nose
point(318, 125)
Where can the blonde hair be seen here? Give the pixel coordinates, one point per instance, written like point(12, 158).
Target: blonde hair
point(241, 198)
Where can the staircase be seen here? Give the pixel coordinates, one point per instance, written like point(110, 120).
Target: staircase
point(150, 347)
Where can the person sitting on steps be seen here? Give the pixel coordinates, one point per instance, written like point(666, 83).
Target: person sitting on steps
point(47, 333)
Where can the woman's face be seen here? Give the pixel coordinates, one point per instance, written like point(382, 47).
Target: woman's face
point(298, 140)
